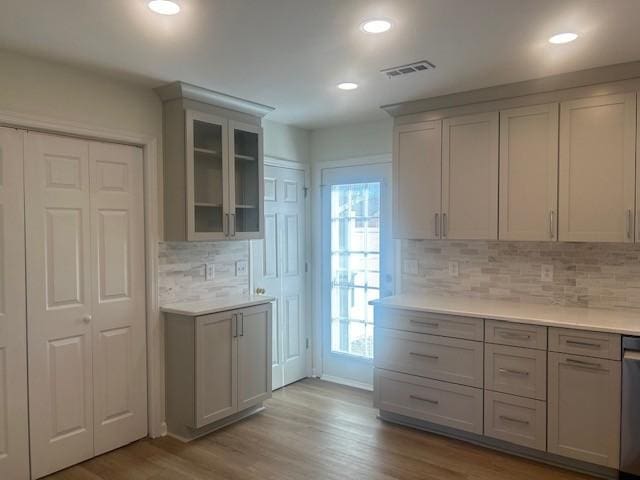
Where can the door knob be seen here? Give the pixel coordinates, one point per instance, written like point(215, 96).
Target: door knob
point(86, 319)
point(260, 291)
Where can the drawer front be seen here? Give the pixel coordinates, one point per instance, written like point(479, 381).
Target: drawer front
point(516, 334)
point(440, 358)
point(522, 421)
point(516, 370)
point(438, 402)
point(431, 323)
point(590, 344)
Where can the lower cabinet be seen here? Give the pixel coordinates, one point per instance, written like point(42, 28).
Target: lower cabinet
point(217, 367)
point(584, 408)
point(518, 420)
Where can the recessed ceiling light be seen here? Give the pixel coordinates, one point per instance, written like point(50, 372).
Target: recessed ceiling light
point(565, 37)
point(376, 26)
point(347, 86)
point(164, 7)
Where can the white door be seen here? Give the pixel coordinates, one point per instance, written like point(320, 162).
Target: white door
point(118, 295)
point(14, 427)
point(279, 268)
point(357, 257)
point(85, 290)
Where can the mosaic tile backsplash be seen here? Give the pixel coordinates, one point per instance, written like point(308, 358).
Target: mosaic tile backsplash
point(182, 275)
point(585, 274)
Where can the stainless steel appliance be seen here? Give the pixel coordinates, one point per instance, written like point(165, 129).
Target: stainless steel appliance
point(630, 420)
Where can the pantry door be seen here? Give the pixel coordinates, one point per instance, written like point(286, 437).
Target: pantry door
point(278, 267)
point(85, 291)
point(14, 427)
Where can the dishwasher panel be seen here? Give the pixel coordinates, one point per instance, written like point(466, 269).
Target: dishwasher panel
point(630, 418)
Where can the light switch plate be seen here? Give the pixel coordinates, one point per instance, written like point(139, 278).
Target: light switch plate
point(410, 267)
point(454, 269)
point(241, 267)
point(209, 271)
point(546, 273)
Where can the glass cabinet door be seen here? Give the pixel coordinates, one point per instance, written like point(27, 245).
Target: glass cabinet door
point(247, 188)
point(206, 149)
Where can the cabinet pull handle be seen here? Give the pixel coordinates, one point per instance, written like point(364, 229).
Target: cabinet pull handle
point(516, 336)
point(241, 324)
point(582, 363)
point(424, 355)
point(234, 325)
point(445, 226)
point(629, 224)
point(232, 221)
point(513, 372)
point(551, 230)
point(426, 324)
point(578, 343)
point(437, 225)
point(423, 399)
point(225, 225)
point(515, 420)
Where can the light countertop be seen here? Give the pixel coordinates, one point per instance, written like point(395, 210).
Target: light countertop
point(215, 305)
point(625, 322)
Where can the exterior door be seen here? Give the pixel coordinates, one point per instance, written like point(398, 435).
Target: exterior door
point(279, 268)
point(357, 253)
point(118, 295)
point(14, 426)
point(85, 290)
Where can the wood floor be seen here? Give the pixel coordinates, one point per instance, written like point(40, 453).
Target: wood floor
point(312, 430)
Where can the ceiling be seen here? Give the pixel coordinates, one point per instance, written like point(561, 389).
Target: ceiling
point(290, 54)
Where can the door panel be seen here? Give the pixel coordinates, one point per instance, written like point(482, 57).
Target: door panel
point(60, 300)
point(14, 428)
point(118, 292)
point(254, 332)
point(279, 269)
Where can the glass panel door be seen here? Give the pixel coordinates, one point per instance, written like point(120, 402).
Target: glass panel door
point(208, 176)
point(247, 194)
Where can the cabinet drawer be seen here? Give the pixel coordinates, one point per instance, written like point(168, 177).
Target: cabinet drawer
point(590, 344)
point(516, 334)
point(432, 323)
point(522, 421)
point(438, 402)
point(516, 370)
point(440, 358)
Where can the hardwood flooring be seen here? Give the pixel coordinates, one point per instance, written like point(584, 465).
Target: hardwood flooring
point(312, 430)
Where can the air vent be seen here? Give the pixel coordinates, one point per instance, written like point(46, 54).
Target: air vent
point(421, 66)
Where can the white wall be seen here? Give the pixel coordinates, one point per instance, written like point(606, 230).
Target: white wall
point(286, 142)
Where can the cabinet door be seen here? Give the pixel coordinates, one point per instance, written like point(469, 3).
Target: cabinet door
point(597, 169)
point(584, 408)
point(216, 367)
point(417, 180)
point(14, 427)
point(254, 356)
point(470, 177)
point(529, 173)
point(207, 176)
point(246, 185)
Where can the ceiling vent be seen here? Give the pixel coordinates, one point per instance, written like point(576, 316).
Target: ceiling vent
point(421, 66)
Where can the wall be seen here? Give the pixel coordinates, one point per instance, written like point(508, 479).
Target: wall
point(286, 142)
point(352, 141)
point(585, 274)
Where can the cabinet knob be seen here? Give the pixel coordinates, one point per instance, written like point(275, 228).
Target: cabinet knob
point(86, 319)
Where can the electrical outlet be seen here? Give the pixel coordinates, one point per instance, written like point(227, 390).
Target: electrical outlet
point(546, 273)
point(454, 269)
point(410, 267)
point(241, 267)
point(209, 271)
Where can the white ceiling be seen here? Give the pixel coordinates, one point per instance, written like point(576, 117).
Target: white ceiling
point(290, 54)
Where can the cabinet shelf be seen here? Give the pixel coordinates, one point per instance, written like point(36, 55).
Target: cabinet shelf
point(245, 206)
point(208, 205)
point(207, 151)
point(248, 158)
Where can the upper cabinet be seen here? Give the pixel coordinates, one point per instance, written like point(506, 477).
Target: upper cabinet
point(417, 174)
point(529, 173)
point(598, 169)
point(213, 167)
point(470, 177)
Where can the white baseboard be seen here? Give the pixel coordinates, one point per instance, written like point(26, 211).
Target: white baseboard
point(348, 382)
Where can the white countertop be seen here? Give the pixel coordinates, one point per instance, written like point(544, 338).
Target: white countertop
point(215, 305)
point(625, 322)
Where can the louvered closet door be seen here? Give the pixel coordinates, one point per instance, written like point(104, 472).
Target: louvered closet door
point(59, 301)
point(14, 428)
point(118, 295)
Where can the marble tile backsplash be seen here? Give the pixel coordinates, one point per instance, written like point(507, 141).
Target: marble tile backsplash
point(182, 272)
point(584, 274)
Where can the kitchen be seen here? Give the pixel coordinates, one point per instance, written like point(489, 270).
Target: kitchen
point(415, 258)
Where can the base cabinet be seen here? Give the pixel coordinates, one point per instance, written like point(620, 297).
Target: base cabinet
point(217, 366)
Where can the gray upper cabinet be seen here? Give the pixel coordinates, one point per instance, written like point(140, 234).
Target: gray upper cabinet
point(598, 169)
point(213, 165)
point(529, 173)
